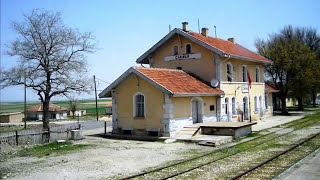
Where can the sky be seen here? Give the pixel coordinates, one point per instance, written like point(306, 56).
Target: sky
point(125, 29)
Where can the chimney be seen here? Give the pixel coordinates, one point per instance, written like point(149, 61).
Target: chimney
point(185, 26)
point(233, 40)
point(205, 32)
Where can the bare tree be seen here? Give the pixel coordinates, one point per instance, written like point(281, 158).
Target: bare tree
point(73, 103)
point(51, 57)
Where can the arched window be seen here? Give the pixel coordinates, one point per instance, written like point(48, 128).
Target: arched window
point(226, 105)
point(139, 105)
point(188, 48)
point(234, 112)
point(244, 74)
point(255, 103)
point(257, 74)
point(229, 72)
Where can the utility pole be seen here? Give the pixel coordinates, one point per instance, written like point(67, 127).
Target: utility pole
point(25, 103)
point(95, 91)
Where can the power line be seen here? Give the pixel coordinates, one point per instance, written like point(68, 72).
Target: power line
point(102, 80)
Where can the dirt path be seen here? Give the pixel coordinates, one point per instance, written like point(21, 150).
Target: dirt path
point(106, 158)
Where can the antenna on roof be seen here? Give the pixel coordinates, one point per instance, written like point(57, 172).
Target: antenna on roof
point(199, 25)
point(169, 28)
point(215, 31)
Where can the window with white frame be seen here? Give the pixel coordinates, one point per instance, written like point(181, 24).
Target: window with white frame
point(266, 101)
point(229, 72)
point(234, 112)
point(257, 74)
point(188, 48)
point(139, 105)
point(244, 74)
point(175, 50)
point(255, 103)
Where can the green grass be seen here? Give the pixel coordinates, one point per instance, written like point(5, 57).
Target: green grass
point(8, 107)
point(51, 149)
point(14, 128)
point(306, 108)
point(255, 134)
point(88, 105)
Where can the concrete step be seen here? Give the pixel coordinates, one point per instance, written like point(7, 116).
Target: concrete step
point(187, 132)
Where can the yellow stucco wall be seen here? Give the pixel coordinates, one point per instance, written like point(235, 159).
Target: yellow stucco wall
point(237, 70)
point(153, 104)
point(235, 90)
point(182, 106)
point(203, 68)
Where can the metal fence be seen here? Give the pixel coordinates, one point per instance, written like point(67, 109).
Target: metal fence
point(37, 136)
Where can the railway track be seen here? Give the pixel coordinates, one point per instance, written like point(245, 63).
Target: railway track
point(245, 175)
point(189, 165)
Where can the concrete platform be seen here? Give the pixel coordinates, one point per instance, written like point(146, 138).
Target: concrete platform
point(225, 124)
point(234, 129)
point(307, 169)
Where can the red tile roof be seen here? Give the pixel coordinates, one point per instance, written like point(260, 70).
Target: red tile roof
point(52, 107)
point(178, 81)
point(271, 88)
point(229, 47)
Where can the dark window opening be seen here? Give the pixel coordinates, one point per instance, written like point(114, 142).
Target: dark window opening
point(244, 74)
point(229, 72)
point(188, 49)
point(226, 105)
point(153, 133)
point(211, 107)
point(127, 132)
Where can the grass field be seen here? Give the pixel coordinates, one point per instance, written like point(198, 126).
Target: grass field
point(88, 105)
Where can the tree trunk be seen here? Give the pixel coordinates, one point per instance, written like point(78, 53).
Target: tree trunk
point(300, 103)
point(283, 106)
point(314, 98)
point(45, 119)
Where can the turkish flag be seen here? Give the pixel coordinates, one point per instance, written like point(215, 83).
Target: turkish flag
point(249, 77)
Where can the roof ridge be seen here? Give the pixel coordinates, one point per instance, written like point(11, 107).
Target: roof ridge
point(212, 37)
point(162, 69)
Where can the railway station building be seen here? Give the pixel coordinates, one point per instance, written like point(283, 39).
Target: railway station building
point(192, 78)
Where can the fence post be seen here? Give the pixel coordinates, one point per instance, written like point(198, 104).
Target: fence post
point(17, 143)
point(48, 136)
point(105, 127)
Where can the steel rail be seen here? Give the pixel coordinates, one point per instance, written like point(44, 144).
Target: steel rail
point(274, 157)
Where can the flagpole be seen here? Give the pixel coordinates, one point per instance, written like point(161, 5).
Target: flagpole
point(249, 101)
point(249, 87)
